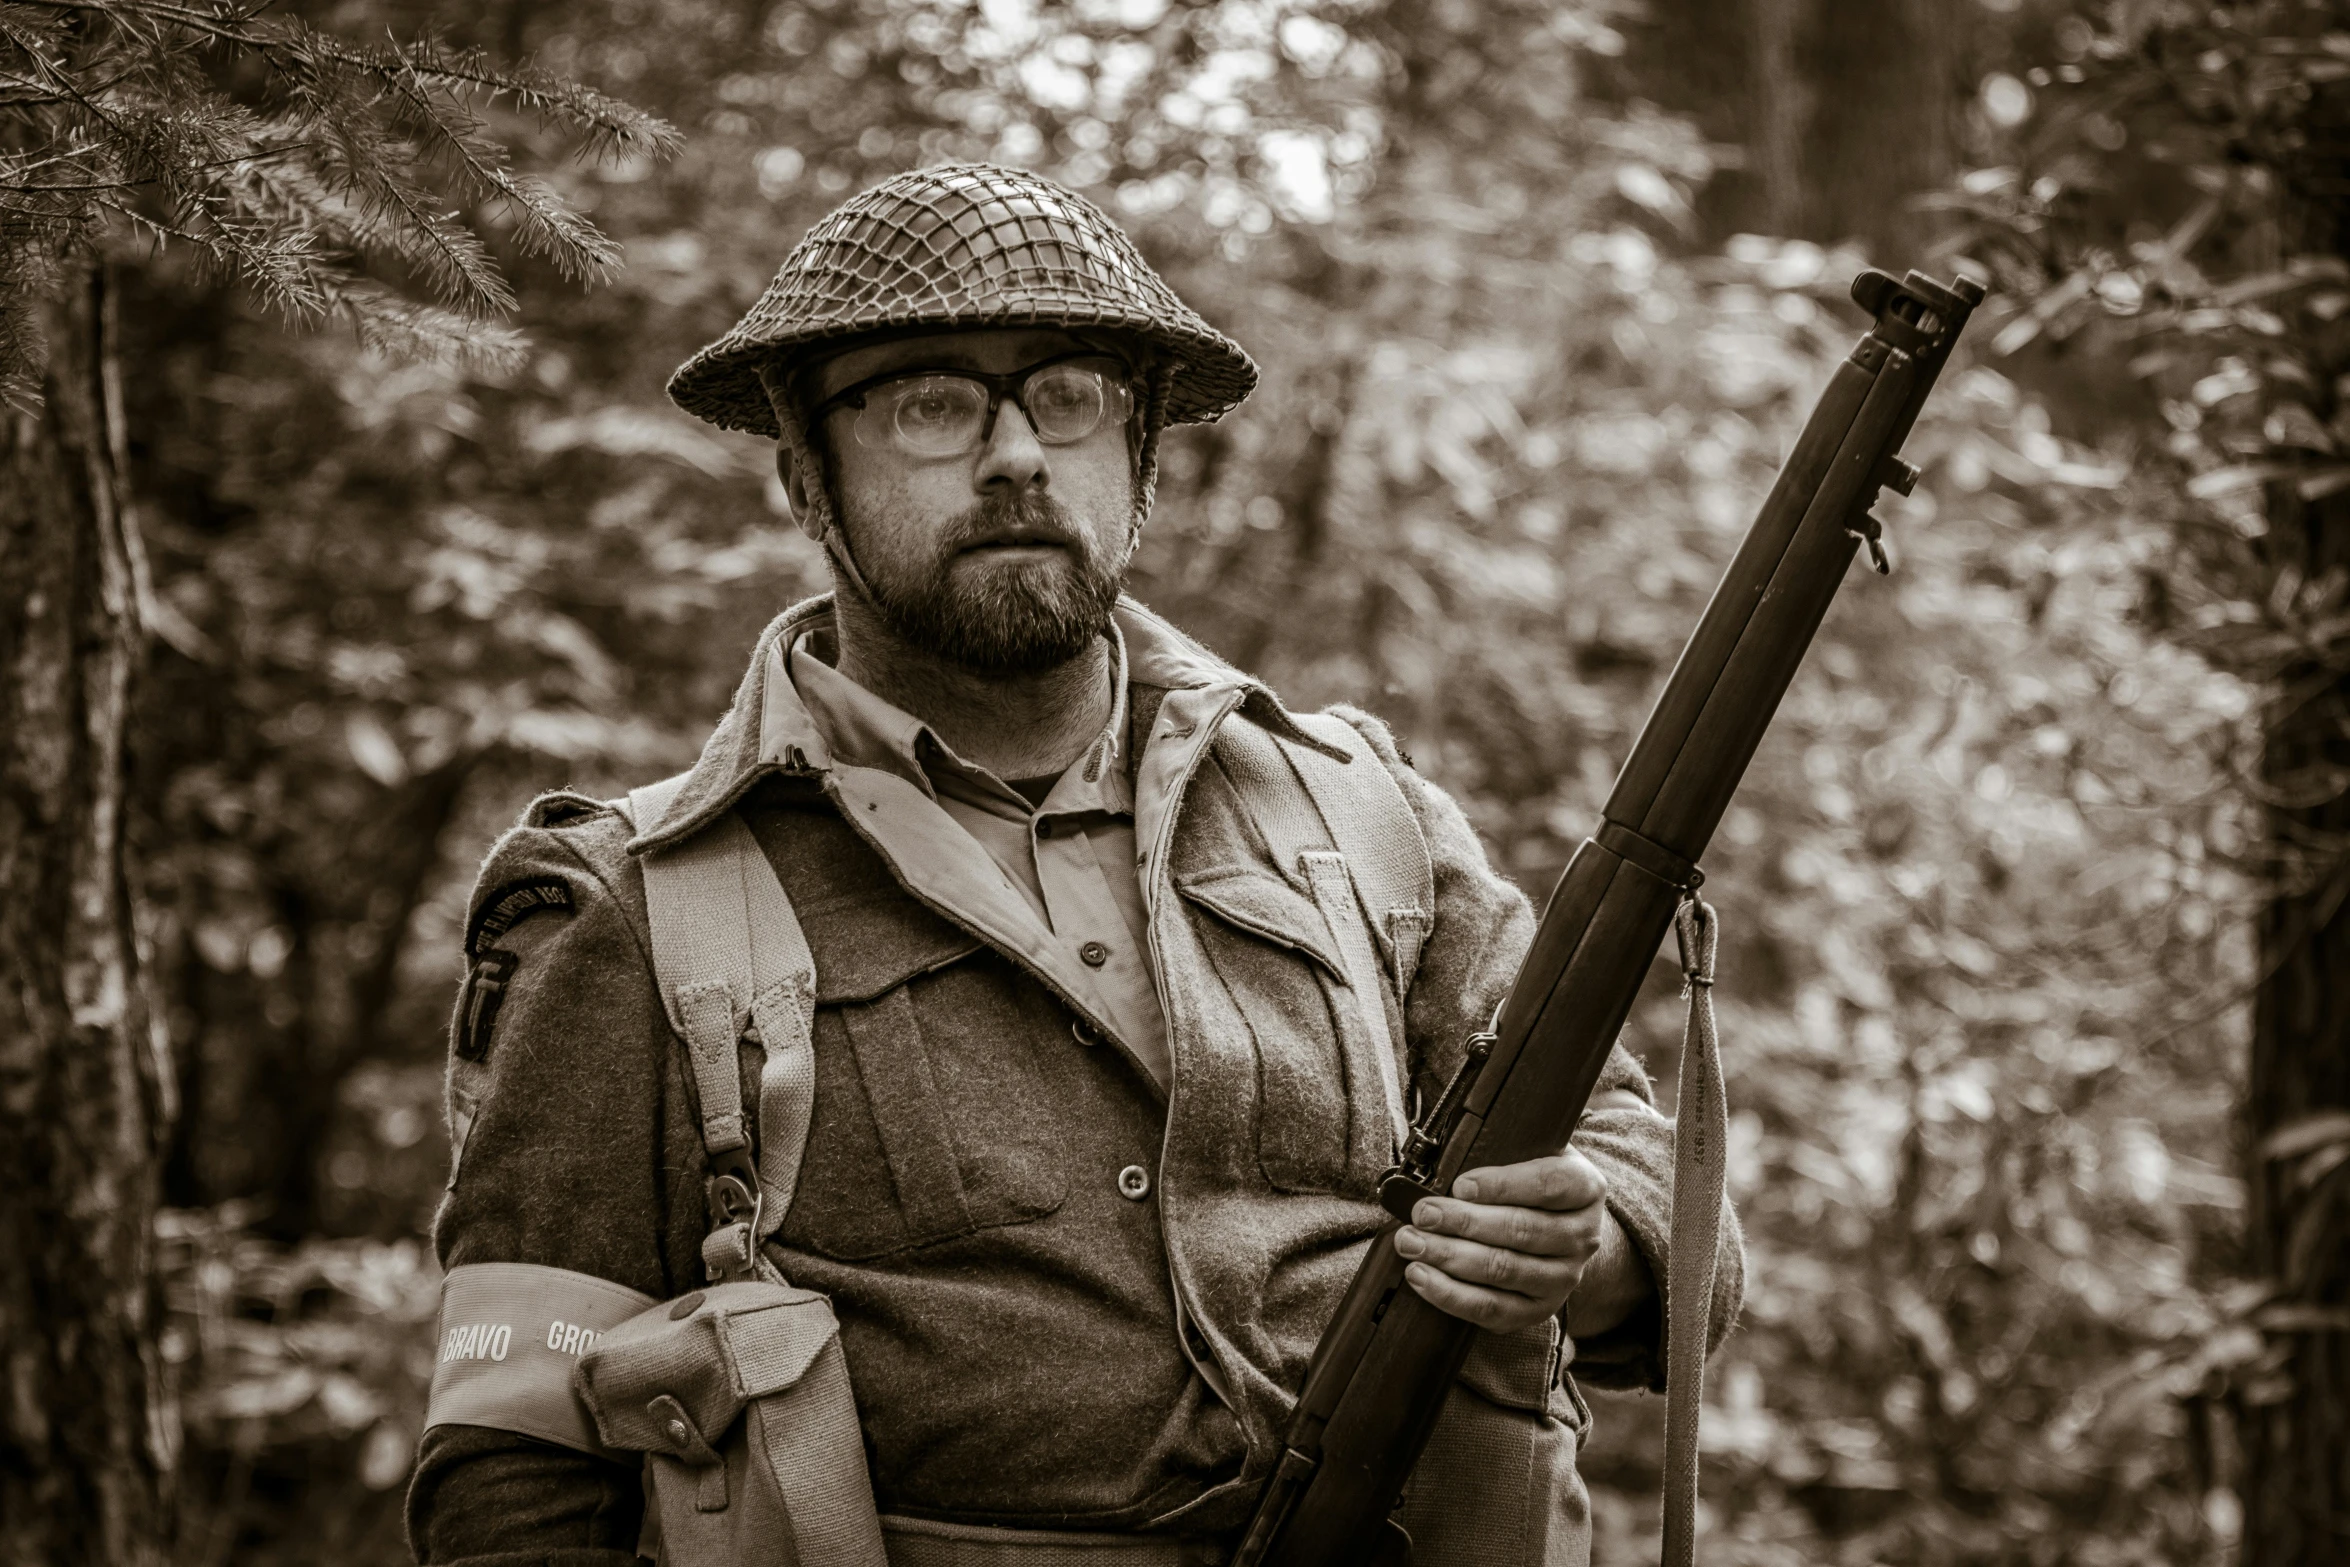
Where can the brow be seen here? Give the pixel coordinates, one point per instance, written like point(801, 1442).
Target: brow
point(946, 356)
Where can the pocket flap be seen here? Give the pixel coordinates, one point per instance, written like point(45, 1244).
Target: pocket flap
point(875, 944)
point(678, 1363)
point(1264, 905)
point(772, 1347)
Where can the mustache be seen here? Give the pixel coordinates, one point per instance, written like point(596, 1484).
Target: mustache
point(1029, 516)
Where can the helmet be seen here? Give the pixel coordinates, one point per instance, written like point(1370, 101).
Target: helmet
point(962, 245)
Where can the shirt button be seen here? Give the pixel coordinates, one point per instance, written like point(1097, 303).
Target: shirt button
point(1094, 953)
point(1134, 1183)
point(1044, 829)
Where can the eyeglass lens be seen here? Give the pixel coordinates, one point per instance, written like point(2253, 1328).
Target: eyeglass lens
point(942, 414)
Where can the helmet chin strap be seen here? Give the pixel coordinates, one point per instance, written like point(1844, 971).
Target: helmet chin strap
point(823, 519)
point(1158, 383)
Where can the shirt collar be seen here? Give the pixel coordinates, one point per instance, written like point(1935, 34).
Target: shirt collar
point(768, 727)
point(860, 729)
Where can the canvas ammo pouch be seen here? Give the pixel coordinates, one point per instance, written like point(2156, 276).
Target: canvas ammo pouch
point(738, 1396)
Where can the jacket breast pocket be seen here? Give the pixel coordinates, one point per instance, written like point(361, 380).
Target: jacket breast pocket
point(931, 1103)
point(1321, 1119)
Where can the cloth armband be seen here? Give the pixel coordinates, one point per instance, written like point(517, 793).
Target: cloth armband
point(510, 1334)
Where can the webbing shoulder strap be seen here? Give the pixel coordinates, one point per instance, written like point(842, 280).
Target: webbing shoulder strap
point(731, 957)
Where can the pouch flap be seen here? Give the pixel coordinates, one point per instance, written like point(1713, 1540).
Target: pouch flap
point(671, 1367)
point(773, 1346)
point(1264, 905)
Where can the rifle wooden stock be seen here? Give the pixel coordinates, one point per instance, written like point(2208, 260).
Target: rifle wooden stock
point(1384, 1367)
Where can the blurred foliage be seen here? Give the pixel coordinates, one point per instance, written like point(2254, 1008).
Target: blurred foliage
point(303, 1372)
point(1983, 954)
point(2168, 211)
point(2173, 202)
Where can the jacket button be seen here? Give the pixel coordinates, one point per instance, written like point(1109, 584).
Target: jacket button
point(1094, 953)
point(1084, 1034)
point(1134, 1183)
point(677, 1432)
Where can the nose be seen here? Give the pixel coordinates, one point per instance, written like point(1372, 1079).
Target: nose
point(1013, 458)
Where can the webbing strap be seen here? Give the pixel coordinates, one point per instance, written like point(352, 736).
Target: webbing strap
point(815, 1450)
point(731, 956)
point(1700, 1173)
point(510, 1334)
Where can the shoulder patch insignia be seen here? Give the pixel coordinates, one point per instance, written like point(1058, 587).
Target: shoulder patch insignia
point(485, 982)
point(478, 1002)
point(505, 908)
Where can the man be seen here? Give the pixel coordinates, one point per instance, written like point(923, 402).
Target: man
point(1097, 1123)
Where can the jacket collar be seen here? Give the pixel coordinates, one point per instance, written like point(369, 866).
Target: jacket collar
point(767, 728)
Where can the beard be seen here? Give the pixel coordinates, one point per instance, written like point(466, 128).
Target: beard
point(1003, 616)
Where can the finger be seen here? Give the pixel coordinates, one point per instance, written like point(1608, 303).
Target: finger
point(1496, 1311)
point(1539, 1278)
point(1531, 1230)
point(1559, 1183)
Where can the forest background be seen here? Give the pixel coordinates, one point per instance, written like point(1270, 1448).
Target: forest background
point(2030, 994)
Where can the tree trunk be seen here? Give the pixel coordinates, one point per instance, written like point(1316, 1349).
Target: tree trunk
point(1842, 114)
point(2296, 1426)
point(1784, 99)
point(86, 1427)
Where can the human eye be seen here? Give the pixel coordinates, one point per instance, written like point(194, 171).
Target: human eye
point(931, 403)
point(935, 415)
point(1066, 400)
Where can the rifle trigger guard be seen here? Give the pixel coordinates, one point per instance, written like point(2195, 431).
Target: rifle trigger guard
point(1399, 1194)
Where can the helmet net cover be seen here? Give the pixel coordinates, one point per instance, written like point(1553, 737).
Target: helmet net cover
point(964, 245)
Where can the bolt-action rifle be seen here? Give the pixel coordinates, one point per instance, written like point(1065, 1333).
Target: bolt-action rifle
point(1380, 1375)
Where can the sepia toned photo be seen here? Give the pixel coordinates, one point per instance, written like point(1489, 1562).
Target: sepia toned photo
point(1122, 783)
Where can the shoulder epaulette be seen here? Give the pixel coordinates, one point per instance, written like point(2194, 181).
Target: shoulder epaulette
point(562, 808)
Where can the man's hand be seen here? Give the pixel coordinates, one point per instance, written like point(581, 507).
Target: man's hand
point(1514, 1242)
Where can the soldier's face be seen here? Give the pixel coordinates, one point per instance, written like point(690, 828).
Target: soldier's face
point(1006, 557)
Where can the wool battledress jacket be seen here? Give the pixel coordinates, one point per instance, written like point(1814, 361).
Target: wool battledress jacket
point(1039, 1336)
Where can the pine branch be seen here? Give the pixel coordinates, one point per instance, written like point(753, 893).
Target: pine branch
point(355, 153)
point(403, 329)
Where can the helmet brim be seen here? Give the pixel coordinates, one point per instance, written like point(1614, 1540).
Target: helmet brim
point(961, 247)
